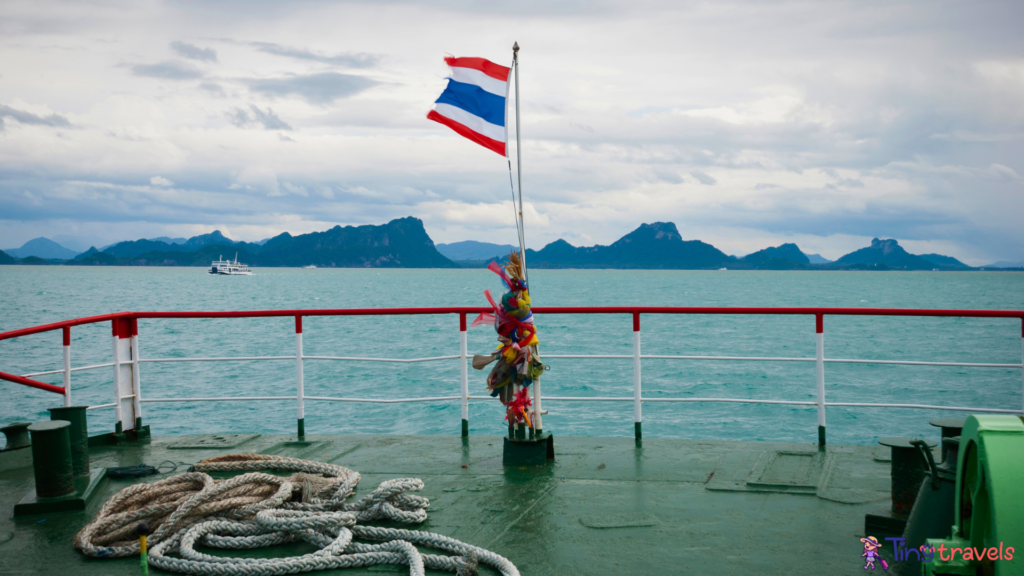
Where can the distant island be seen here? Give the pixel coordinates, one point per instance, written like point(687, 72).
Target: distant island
point(404, 243)
point(401, 243)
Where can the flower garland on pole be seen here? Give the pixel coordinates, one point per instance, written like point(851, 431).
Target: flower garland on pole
point(518, 360)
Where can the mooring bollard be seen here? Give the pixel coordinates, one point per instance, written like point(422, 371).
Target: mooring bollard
point(51, 458)
point(17, 435)
point(78, 433)
point(907, 471)
point(950, 428)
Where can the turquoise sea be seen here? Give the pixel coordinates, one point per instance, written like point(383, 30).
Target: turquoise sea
point(31, 295)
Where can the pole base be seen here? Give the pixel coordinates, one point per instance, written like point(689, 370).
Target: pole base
point(115, 438)
point(536, 451)
point(85, 488)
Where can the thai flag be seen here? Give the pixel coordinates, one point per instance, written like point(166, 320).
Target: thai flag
point(473, 104)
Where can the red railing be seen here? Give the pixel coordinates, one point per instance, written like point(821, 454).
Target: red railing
point(125, 326)
point(806, 311)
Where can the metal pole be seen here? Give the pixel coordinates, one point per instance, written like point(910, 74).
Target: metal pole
point(819, 321)
point(136, 384)
point(520, 426)
point(519, 168)
point(67, 366)
point(299, 384)
point(117, 379)
point(1022, 360)
point(637, 403)
point(537, 409)
point(464, 372)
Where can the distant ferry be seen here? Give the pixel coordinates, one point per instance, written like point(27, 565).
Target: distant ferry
point(310, 267)
point(229, 268)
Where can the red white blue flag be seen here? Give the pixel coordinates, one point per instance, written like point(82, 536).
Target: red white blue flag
point(473, 104)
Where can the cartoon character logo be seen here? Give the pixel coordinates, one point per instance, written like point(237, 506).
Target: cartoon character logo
point(870, 555)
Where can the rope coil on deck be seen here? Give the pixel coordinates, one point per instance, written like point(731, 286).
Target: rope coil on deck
point(256, 510)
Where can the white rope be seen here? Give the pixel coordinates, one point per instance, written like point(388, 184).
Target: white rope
point(255, 510)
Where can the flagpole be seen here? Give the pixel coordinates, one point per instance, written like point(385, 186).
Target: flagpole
point(519, 169)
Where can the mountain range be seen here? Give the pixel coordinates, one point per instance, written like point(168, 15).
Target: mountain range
point(404, 243)
point(401, 243)
point(660, 246)
point(651, 246)
point(473, 250)
point(1005, 264)
point(42, 248)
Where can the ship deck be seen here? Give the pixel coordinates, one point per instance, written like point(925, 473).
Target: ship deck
point(605, 506)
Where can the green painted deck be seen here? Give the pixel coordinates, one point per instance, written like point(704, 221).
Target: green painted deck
point(605, 506)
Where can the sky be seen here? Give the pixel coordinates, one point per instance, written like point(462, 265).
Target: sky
point(748, 124)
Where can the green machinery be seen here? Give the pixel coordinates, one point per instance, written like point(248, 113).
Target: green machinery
point(988, 534)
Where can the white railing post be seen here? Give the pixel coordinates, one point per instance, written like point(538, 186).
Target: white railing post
point(299, 384)
point(538, 424)
point(67, 366)
point(136, 383)
point(819, 328)
point(117, 380)
point(123, 396)
point(464, 372)
point(637, 402)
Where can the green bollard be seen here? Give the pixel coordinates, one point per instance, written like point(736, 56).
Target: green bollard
point(17, 435)
point(79, 434)
point(951, 427)
point(907, 471)
point(51, 458)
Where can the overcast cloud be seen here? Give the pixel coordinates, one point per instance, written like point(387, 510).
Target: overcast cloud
point(186, 50)
point(748, 124)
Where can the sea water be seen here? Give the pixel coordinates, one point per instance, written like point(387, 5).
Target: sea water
point(32, 295)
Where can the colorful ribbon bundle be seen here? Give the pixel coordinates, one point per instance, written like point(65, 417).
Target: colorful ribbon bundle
point(518, 363)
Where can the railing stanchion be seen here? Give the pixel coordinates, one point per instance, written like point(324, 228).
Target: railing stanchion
point(123, 378)
point(67, 366)
point(464, 372)
point(299, 384)
point(123, 395)
point(117, 380)
point(637, 409)
point(819, 328)
point(1022, 363)
point(136, 378)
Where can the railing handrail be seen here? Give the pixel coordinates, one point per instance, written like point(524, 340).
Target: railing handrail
point(124, 327)
point(740, 310)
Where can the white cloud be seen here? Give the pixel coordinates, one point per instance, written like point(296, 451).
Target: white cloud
point(770, 110)
point(746, 124)
point(259, 178)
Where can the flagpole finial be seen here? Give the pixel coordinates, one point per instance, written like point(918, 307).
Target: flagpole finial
point(515, 47)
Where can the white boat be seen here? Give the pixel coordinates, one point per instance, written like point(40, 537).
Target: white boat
point(310, 267)
point(229, 268)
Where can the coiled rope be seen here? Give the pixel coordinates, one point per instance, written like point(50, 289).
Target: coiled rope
point(256, 510)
